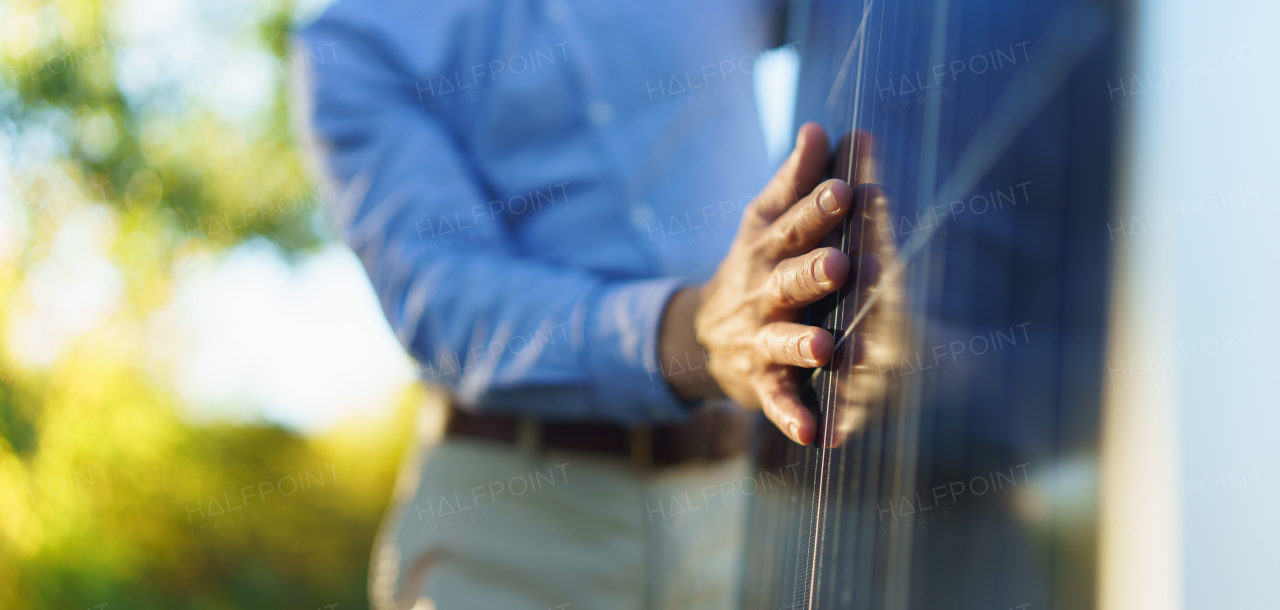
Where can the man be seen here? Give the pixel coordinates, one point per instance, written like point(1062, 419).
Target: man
point(562, 208)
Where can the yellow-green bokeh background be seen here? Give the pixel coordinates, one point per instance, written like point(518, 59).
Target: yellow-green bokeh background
point(100, 465)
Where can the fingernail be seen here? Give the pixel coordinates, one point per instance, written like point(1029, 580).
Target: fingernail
point(795, 431)
point(820, 269)
point(806, 347)
point(827, 201)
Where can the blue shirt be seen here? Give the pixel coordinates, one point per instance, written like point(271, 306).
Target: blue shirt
point(527, 183)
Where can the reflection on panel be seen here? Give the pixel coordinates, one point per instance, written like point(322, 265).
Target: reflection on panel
point(960, 414)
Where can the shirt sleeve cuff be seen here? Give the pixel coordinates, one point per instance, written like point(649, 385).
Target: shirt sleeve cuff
point(622, 352)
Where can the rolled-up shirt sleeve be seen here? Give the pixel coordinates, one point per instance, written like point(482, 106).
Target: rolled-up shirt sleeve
point(503, 330)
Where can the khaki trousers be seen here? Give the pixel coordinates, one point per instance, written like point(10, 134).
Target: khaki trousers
point(480, 524)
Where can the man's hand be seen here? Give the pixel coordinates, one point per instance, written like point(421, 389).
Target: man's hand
point(746, 318)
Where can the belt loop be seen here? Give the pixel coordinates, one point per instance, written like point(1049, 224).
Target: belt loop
point(529, 435)
point(642, 447)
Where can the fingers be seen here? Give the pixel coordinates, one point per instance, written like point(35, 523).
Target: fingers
point(795, 344)
point(809, 221)
point(780, 401)
point(802, 280)
point(798, 175)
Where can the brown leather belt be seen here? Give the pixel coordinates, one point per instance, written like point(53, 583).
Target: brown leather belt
point(709, 435)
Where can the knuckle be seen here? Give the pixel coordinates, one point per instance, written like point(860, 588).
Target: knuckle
point(791, 237)
point(781, 347)
point(778, 343)
point(793, 348)
point(803, 281)
point(755, 210)
point(794, 193)
point(812, 277)
point(778, 289)
point(778, 348)
point(758, 249)
point(763, 342)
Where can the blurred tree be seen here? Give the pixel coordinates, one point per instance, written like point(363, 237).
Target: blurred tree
point(109, 497)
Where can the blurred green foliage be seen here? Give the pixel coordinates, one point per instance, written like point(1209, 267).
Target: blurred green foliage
point(109, 496)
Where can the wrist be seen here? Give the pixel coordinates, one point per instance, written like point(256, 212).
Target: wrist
point(683, 360)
